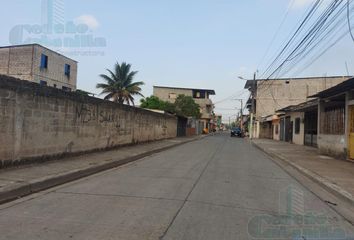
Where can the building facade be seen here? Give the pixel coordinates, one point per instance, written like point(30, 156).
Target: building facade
point(200, 96)
point(270, 95)
point(297, 124)
point(39, 64)
point(336, 120)
point(325, 122)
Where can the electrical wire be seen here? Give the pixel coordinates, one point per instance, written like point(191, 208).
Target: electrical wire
point(321, 29)
point(330, 39)
point(277, 32)
point(312, 31)
point(348, 13)
point(298, 30)
point(229, 98)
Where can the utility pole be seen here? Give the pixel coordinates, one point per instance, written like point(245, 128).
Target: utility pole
point(241, 111)
point(253, 92)
point(241, 120)
point(253, 105)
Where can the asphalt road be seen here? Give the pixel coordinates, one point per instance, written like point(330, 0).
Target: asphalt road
point(215, 188)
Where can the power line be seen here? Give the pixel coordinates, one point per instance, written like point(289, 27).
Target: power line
point(229, 98)
point(334, 33)
point(277, 32)
point(313, 32)
point(298, 30)
point(318, 32)
point(350, 30)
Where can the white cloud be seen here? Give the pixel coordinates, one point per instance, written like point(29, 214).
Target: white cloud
point(89, 20)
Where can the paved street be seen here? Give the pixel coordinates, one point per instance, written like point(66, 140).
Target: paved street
point(215, 188)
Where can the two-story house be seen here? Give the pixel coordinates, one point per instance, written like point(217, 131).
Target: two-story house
point(35, 63)
point(200, 96)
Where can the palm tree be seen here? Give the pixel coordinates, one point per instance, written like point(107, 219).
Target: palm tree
point(119, 85)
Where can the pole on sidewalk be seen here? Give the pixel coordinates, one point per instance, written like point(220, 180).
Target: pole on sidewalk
point(240, 112)
point(241, 120)
point(253, 90)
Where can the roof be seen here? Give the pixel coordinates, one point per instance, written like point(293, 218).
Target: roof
point(210, 91)
point(36, 44)
point(249, 83)
point(311, 104)
point(338, 89)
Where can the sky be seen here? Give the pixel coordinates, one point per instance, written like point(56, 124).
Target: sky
point(182, 43)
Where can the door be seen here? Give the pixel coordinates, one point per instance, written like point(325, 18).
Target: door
point(282, 129)
point(181, 126)
point(291, 131)
point(310, 124)
point(288, 130)
point(351, 132)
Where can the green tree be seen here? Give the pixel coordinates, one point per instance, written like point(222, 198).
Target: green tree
point(154, 102)
point(186, 106)
point(119, 85)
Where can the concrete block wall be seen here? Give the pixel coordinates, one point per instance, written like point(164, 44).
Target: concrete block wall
point(40, 122)
point(17, 62)
point(332, 145)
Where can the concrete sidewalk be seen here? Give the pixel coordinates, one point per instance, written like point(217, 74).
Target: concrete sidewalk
point(27, 179)
point(337, 176)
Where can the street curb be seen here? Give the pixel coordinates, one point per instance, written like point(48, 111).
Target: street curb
point(23, 189)
point(333, 188)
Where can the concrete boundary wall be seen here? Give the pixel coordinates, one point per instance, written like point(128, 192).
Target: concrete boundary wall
point(38, 122)
point(332, 145)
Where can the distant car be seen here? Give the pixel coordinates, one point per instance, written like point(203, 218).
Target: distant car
point(236, 132)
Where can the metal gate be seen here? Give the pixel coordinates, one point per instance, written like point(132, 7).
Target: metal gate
point(181, 126)
point(282, 129)
point(288, 130)
point(310, 128)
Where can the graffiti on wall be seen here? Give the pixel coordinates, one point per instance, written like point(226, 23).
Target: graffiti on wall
point(86, 114)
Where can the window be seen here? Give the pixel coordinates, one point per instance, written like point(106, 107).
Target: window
point(172, 96)
point(67, 70)
point(66, 89)
point(44, 61)
point(198, 94)
point(297, 125)
point(209, 108)
point(43, 83)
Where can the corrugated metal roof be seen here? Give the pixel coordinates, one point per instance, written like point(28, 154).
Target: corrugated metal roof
point(300, 107)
